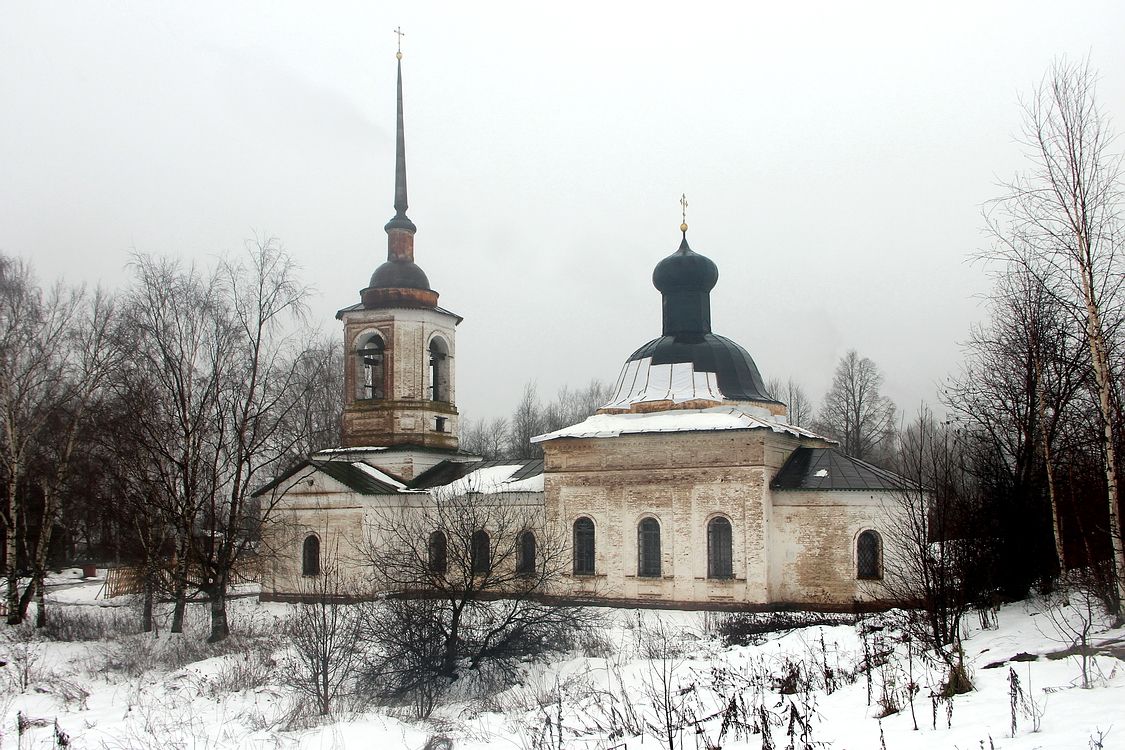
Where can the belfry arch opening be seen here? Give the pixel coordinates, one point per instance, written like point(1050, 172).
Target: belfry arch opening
point(371, 368)
point(439, 370)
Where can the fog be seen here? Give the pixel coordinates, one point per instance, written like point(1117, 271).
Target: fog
point(836, 159)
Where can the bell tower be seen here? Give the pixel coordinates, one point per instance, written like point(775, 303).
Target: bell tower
point(400, 347)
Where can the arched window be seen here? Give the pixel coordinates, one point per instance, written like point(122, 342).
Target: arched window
point(439, 559)
point(583, 547)
point(310, 556)
point(719, 558)
point(648, 548)
point(869, 556)
point(481, 553)
point(439, 370)
point(525, 564)
point(371, 374)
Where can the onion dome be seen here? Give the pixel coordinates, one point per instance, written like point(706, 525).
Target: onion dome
point(399, 275)
point(688, 364)
point(685, 280)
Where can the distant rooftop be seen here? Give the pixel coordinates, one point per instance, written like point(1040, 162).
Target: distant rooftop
point(831, 469)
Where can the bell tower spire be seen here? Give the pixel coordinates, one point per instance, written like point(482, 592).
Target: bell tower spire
point(400, 220)
point(399, 281)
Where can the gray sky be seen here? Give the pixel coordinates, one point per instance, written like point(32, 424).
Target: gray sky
point(835, 157)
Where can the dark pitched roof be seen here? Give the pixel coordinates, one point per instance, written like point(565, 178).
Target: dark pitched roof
point(830, 469)
point(359, 306)
point(345, 472)
point(450, 471)
point(356, 478)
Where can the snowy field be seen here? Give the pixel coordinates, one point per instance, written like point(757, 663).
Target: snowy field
point(822, 686)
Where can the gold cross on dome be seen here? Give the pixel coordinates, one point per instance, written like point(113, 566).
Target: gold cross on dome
point(683, 211)
point(401, 34)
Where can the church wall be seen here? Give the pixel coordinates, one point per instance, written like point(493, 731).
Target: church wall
point(348, 523)
point(683, 480)
point(813, 558)
point(337, 522)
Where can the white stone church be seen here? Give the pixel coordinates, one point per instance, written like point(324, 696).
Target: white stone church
point(689, 488)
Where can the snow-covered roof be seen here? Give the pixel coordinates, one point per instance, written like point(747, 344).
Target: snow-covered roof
point(735, 417)
point(484, 477)
point(495, 479)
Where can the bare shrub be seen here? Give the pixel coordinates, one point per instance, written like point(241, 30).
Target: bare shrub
point(1076, 610)
point(246, 671)
point(753, 628)
point(22, 652)
point(72, 624)
point(324, 632)
point(465, 602)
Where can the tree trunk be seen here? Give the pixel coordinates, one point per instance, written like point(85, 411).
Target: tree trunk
point(180, 607)
point(1102, 375)
point(11, 556)
point(147, 624)
point(1048, 459)
point(220, 628)
point(179, 575)
point(40, 600)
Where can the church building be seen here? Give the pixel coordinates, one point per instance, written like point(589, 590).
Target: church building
point(688, 488)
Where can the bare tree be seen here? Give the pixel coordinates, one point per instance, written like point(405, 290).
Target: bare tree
point(487, 438)
point(793, 395)
point(1021, 382)
point(853, 410)
point(938, 536)
point(176, 319)
point(526, 422)
point(324, 631)
point(319, 377)
point(54, 356)
point(219, 358)
point(1063, 218)
point(89, 359)
point(465, 572)
point(572, 405)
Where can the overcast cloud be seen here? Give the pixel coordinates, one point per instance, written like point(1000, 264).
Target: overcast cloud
point(835, 156)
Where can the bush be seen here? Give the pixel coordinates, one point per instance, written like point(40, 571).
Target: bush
point(84, 623)
point(752, 628)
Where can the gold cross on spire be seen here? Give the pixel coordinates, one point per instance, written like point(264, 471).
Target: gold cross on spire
point(401, 34)
point(683, 212)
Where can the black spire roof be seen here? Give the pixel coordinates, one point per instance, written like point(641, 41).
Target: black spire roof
point(400, 220)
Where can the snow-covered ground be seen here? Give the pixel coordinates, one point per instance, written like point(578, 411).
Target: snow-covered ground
point(809, 686)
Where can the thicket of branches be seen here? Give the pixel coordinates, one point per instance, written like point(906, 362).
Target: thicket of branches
point(469, 570)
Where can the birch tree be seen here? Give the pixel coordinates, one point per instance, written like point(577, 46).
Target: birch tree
point(1062, 217)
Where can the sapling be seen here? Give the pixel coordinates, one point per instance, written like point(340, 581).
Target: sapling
point(1015, 698)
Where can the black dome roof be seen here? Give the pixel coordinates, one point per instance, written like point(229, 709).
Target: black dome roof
point(685, 270)
point(398, 274)
point(738, 376)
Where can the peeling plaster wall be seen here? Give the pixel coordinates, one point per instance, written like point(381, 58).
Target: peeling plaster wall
point(813, 557)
